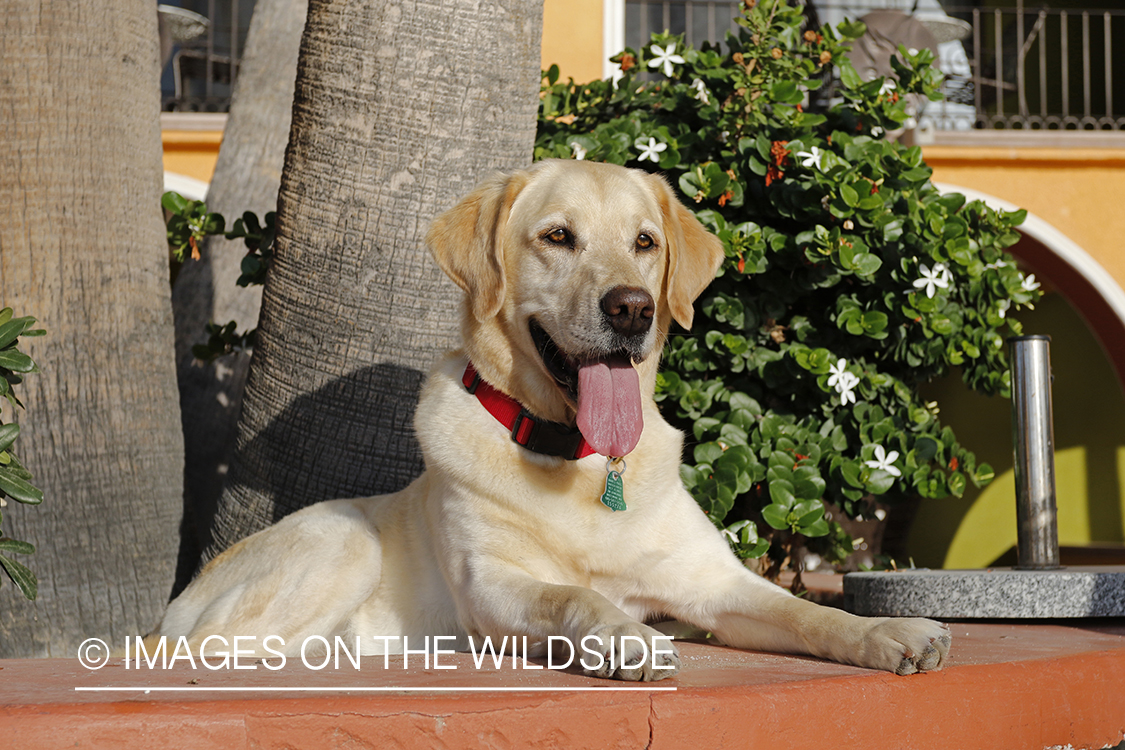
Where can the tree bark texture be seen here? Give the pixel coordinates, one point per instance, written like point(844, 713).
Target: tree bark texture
point(247, 177)
point(400, 109)
point(82, 249)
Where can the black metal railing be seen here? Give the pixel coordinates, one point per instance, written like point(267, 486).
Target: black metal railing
point(202, 42)
point(1017, 67)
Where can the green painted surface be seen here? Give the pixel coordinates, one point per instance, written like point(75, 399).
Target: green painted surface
point(1089, 409)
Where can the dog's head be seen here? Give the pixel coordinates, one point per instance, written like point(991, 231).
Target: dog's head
point(573, 272)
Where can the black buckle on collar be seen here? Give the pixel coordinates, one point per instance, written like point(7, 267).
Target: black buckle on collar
point(472, 387)
point(548, 438)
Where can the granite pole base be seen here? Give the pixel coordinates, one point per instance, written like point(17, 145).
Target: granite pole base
point(1086, 591)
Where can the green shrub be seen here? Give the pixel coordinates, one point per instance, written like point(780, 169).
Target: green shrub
point(15, 480)
point(849, 280)
point(189, 223)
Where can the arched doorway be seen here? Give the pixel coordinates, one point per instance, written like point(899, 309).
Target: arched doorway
point(1084, 312)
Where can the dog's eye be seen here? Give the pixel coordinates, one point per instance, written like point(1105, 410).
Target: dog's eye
point(559, 236)
point(644, 242)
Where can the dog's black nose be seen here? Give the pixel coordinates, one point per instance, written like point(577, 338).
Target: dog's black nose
point(629, 310)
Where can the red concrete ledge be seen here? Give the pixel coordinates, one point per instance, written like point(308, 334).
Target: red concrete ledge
point(1022, 687)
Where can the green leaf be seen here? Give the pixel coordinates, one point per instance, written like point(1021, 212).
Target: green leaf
point(848, 75)
point(818, 528)
point(808, 512)
point(879, 482)
point(17, 468)
point(14, 545)
point(866, 264)
point(776, 516)
point(925, 448)
point(16, 361)
point(12, 329)
point(22, 577)
point(851, 473)
point(214, 224)
point(983, 475)
point(852, 30)
point(874, 322)
point(706, 453)
point(786, 91)
point(807, 483)
point(781, 492)
point(174, 202)
point(17, 488)
point(8, 435)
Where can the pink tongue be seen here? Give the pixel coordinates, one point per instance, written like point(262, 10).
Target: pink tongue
point(609, 405)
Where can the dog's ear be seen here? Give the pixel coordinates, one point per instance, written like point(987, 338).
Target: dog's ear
point(694, 254)
point(467, 241)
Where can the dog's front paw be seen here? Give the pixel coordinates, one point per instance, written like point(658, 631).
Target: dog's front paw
point(905, 645)
point(632, 651)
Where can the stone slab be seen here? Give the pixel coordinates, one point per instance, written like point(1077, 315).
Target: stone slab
point(997, 593)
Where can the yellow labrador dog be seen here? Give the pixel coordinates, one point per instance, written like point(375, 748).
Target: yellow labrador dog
point(527, 523)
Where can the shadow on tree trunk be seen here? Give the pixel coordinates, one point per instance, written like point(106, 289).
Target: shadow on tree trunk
point(288, 477)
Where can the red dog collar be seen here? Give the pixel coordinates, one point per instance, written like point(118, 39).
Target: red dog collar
point(539, 435)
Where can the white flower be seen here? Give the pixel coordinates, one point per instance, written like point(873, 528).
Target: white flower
point(885, 461)
point(579, 152)
point(810, 158)
point(848, 381)
point(997, 264)
point(665, 56)
point(1029, 283)
point(888, 86)
point(1003, 308)
point(838, 371)
point(652, 150)
point(700, 91)
point(842, 380)
point(876, 131)
point(931, 281)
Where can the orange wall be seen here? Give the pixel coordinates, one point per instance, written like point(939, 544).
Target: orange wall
point(191, 153)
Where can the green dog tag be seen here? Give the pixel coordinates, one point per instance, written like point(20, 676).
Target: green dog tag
point(614, 495)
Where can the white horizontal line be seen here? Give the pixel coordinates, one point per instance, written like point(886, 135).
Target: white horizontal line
point(276, 689)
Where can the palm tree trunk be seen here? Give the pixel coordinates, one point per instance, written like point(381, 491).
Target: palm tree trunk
point(400, 109)
point(82, 249)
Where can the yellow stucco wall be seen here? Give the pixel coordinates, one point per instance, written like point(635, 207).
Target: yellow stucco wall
point(572, 38)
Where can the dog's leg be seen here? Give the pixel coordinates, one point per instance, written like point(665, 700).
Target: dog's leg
point(606, 641)
point(756, 619)
point(712, 589)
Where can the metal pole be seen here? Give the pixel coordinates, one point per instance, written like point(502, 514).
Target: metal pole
point(1033, 436)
